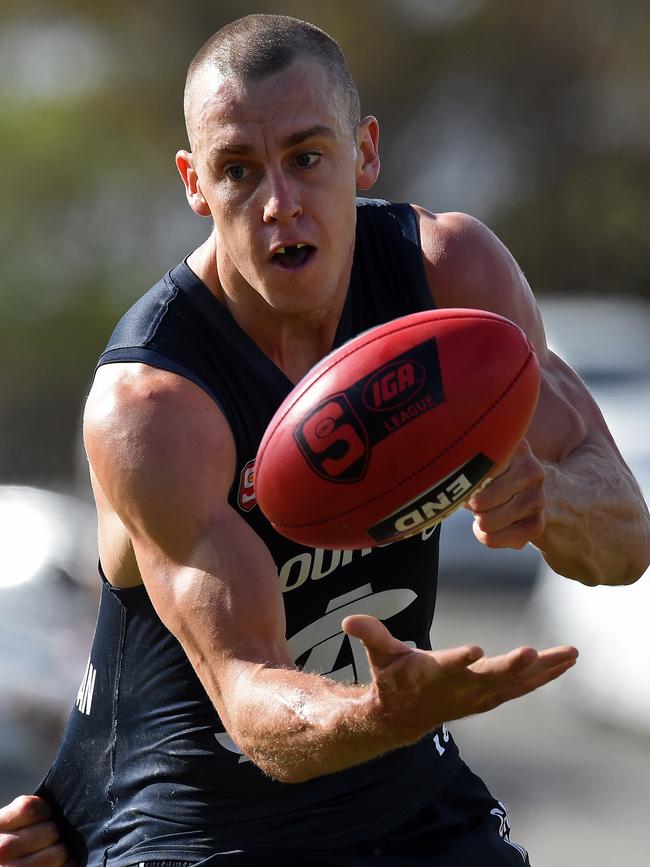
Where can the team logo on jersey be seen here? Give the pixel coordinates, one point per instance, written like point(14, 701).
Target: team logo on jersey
point(322, 647)
point(246, 498)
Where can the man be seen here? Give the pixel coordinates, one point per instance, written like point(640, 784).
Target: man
point(204, 607)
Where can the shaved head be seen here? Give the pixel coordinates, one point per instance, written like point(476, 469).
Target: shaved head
point(255, 46)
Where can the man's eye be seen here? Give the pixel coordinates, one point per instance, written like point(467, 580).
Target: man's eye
point(237, 173)
point(307, 159)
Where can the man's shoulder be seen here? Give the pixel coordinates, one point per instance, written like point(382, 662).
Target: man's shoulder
point(133, 408)
point(449, 229)
point(152, 392)
point(467, 265)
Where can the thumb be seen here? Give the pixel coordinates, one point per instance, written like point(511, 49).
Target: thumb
point(381, 646)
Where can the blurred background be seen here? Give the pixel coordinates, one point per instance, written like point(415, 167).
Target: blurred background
point(533, 117)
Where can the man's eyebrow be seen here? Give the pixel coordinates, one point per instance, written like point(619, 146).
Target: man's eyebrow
point(313, 132)
point(242, 149)
point(230, 148)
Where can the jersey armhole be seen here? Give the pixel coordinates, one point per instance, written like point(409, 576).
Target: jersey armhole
point(144, 355)
point(410, 226)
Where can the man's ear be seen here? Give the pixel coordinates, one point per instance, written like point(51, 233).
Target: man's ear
point(368, 164)
point(185, 166)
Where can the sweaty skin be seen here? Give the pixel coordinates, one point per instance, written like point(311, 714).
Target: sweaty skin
point(275, 164)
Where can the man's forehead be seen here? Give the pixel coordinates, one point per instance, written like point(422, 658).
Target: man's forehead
point(294, 99)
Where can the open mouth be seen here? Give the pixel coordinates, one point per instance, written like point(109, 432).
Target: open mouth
point(293, 256)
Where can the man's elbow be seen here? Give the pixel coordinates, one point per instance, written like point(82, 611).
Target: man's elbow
point(639, 558)
point(622, 571)
point(638, 568)
point(285, 768)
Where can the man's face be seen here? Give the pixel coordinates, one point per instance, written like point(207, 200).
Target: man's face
point(278, 166)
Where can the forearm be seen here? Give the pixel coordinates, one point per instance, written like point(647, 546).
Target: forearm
point(597, 524)
point(296, 726)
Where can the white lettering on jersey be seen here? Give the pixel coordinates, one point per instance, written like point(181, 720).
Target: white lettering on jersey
point(501, 812)
point(315, 564)
point(444, 731)
point(85, 695)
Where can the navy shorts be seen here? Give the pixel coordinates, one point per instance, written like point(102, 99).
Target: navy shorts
point(464, 827)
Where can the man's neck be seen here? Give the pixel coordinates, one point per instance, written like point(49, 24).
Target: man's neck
point(294, 343)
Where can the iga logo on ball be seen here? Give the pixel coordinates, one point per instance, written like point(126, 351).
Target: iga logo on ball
point(394, 385)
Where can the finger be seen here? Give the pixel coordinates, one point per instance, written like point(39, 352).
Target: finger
point(53, 856)
point(381, 646)
point(453, 660)
point(506, 664)
point(16, 844)
point(521, 658)
point(516, 535)
point(522, 450)
point(540, 678)
point(554, 655)
point(547, 669)
point(524, 471)
point(23, 811)
point(530, 501)
point(507, 687)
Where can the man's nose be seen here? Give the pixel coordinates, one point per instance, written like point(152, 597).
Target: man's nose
point(281, 201)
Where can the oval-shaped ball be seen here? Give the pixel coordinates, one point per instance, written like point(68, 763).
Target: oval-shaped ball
point(391, 432)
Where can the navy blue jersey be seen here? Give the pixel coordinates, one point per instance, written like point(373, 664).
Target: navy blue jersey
point(146, 770)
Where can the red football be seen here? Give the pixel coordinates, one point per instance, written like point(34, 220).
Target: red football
point(391, 432)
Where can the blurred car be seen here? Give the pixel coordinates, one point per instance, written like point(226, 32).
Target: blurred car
point(608, 341)
point(49, 592)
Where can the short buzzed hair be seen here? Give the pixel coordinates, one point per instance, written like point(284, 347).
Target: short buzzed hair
point(255, 46)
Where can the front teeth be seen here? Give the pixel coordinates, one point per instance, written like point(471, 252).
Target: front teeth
point(297, 246)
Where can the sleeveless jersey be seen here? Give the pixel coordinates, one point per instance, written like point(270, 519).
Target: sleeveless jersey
point(146, 770)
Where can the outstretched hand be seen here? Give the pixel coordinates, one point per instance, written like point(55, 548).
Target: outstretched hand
point(421, 689)
point(28, 836)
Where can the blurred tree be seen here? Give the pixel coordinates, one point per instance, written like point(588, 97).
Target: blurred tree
point(534, 117)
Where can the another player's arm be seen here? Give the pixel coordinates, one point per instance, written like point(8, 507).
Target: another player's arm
point(574, 496)
point(28, 835)
point(164, 457)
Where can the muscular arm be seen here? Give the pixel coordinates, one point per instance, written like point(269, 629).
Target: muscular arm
point(163, 457)
point(573, 495)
